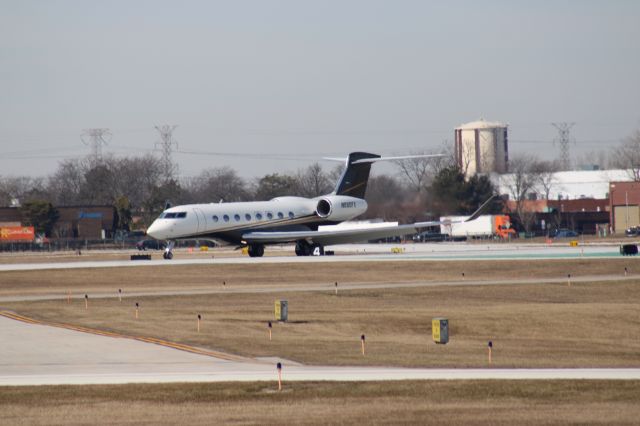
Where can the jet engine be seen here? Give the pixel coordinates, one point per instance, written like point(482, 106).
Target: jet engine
point(339, 207)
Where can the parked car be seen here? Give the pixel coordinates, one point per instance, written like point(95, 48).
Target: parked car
point(429, 236)
point(634, 231)
point(151, 245)
point(565, 233)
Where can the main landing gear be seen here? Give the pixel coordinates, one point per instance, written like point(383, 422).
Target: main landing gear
point(168, 252)
point(256, 250)
point(303, 248)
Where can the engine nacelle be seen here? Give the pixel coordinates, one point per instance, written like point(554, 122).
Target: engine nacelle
point(340, 207)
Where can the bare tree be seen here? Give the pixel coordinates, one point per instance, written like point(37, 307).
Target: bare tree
point(519, 183)
point(22, 189)
point(543, 174)
point(418, 172)
point(213, 185)
point(312, 182)
point(627, 156)
point(65, 184)
point(385, 196)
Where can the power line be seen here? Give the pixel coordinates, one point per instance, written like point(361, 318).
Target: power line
point(166, 146)
point(564, 139)
point(96, 138)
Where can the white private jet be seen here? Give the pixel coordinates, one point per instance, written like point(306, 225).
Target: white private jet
point(286, 219)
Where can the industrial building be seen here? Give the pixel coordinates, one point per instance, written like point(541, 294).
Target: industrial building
point(624, 205)
point(569, 185)
point(482, 147)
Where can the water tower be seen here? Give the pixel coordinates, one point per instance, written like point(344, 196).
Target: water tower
point(481, 147)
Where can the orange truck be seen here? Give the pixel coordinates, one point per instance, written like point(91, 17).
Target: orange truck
point(484, 226)
point(17, 233)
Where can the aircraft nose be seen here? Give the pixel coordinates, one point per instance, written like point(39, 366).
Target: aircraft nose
point(155, 231)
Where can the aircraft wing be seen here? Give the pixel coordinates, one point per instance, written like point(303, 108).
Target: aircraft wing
point(345, 236)
point(332, 237)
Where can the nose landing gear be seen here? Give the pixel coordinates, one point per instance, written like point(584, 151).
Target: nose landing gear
point(168, 252)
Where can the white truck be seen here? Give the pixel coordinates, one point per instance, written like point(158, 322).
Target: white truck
point(484, 226)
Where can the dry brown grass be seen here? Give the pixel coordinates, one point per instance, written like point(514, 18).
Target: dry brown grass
point(406, 402)
point(185, 277)
point(534, 325)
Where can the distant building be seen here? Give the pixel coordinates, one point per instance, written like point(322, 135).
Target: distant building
point(86, 222)
point(624, 199)
point(570, 185)
point(482, 147)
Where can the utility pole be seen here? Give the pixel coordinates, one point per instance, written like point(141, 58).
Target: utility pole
point(96, 138)
point(564, 139)
point(167, 145)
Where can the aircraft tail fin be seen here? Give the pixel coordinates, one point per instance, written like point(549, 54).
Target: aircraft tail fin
point(353, 181)
point(355, 176)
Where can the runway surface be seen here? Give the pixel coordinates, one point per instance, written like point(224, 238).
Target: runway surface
point(364, 253)
point(43, 355)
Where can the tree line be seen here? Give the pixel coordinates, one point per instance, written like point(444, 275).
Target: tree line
point(421, 189)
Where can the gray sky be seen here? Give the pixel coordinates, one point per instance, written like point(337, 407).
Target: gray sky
point(306, 79)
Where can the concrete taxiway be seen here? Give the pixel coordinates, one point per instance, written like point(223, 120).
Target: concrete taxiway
point(362, 253)
point(34, 354)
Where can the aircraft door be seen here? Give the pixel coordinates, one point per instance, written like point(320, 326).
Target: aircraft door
point(202, 220)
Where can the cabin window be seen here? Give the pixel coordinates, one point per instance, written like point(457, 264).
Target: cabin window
point(269, 215)
point(226, 217)
point(181, 215)
point(247, 216)
point(236, 217)
point(291, 215)
point(215, 218)
point(259, 216)
point(280, 215)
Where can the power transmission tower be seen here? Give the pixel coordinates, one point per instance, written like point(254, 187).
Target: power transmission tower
point(166, 145)
point(564, 139)
point(96, 138)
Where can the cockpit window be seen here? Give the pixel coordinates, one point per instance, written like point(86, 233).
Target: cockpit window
point(174, 215)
